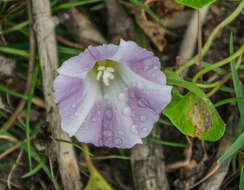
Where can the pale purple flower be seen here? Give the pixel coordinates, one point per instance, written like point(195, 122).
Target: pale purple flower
point(111, 95)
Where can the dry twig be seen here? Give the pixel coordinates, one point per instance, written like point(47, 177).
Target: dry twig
point(148, 169)
point(68, 166)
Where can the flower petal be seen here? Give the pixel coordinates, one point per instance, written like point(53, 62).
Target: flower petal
point(102, 52)
point(74, 109)
point(79, 65)
point(146, 99)
point(140, 61)
point(90, 130)
point(118, 129)
point(146, 105)
point(65, 86)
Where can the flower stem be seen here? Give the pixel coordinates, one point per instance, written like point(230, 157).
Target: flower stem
point(206, 46)
point(219, 64)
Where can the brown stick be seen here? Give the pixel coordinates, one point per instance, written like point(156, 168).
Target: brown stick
point(68, 166)
point(147, 161)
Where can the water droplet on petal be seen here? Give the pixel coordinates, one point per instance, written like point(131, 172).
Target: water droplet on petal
point(144, 129)
point(140, 85)
point(155, 67)
point(122, 96)
point(143, 103)
point(109, 114)
point(126, 111)
point(120, 132)
point(153, 75)
point(118, 141)
point(107, 133)
point(76, 114)
point(133, 129)
point(142, 118)
point(73, 105)
point(146, 68)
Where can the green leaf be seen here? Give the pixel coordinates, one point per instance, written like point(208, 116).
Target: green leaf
point(174, 79)
point(97, 182)
point(195, 116)
point(195, 3)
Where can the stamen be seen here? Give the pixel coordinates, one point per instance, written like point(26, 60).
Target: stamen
point(106, 73)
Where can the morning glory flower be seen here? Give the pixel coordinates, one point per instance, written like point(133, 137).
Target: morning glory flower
point(111, 95)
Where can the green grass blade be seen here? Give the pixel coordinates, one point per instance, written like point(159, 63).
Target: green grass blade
point(239, 142)
point(241, 178)
point(68, 51)
point(165, 122)
point(12, 92)
point(151, 13)
point(237, 87)
point(37, 157)
point(167, 143)
point(228, 100)
point(73, 4)
point(16, 27)
point(28, 110)
point(13, 51)
point(97, 7)
point(75, 145)
point(35, 170)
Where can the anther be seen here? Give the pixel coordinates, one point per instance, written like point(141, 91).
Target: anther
point(106, 73)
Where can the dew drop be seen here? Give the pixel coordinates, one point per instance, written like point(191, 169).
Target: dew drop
point(107, 133)
point(139, 85)
point(120, 132)
point(73, 105)
point(76, 113)
point(133, 129)
point(118, 141)
point(142, 118)
point(143, 103)
point(109, 114)
point(144, 129)
point(126, 111)
point(122, 96)
point(153, 75)
point(146, 68)
point(155, 67)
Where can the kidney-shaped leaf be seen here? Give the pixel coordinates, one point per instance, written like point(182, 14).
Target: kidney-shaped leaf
point(195, 3)
point(195, 116)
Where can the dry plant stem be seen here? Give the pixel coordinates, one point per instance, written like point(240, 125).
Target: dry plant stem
point(187, 47)
point(148, 168)
point(52, 172)
point(67, 161)
point(64, 41)
point(31, 64)
point(120, 25)
point(214, 178)
point(184, 163)
point(13, 168)
point(13, 148)
point(208, 43)
point(81, 26)
point(199, 33)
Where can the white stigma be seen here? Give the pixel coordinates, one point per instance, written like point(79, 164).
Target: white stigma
point(106, 73)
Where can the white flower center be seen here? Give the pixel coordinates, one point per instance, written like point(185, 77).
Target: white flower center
point(106, 73)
